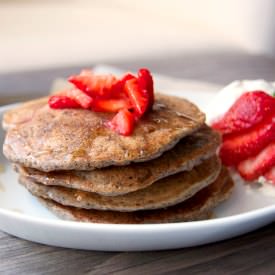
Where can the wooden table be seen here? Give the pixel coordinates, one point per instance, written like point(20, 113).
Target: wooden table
point(253, 253)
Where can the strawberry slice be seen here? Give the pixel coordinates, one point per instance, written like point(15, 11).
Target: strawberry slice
point(145, 82)
point(137, 97)
point(62, 102)
point(82, 80)
point(118, 88)
point(238, 147)
point(250, 109)
point(110, 105)
point(80, 97)
point(126, 77)
point(254, 167)
point(122, 122)
point(94, 85)
point(270, 175)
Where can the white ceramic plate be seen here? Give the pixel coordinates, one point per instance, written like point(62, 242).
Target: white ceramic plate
point(21, 215)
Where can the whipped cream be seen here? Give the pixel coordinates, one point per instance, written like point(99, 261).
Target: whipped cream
point(226, 97)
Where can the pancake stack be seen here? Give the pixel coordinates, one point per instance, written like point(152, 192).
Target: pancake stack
point(167, 171)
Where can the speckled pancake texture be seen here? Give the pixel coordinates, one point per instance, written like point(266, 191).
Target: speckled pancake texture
point(198, 207)
point(166, 192)
point(76, 139)
point(119, 180)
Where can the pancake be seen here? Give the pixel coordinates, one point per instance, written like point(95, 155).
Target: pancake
point(196, 208)
point(116, 180)
point(76, 139)
point(166, 192)
point(23, 113)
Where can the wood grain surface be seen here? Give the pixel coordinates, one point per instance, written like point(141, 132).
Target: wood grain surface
point(253, 253)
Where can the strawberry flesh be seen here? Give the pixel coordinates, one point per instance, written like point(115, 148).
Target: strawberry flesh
point(138, 99)
point(145, 82)
point(122, 122)
point(249, 110)
point(110, 105)
point(254, 167)
point(238, 147)
point(62, 102)
point(118, 91)
point(94, 85)
point(80, 97)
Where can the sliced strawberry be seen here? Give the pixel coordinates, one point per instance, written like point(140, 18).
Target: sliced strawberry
point(254, 167)
point(82, 80)
point(145, 82)
point(250, 109)
point(238, 147)
point(126, 77)
point(270, 175)
point(138, 99)
point(62, 102)
point(129, 96)
point(118, 88)
point(110, 105)
point(80, 97)
point(94, 85)
point(122, 122)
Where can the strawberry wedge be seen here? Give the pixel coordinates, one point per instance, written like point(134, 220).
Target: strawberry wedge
point(94, 85)
point(80, 97)
point(122, 123)
point(249, 110)
point(254, 167)
point(62, 102)
point(145, 82)
point(137, 97)
point(238, 147)
point(110, 105)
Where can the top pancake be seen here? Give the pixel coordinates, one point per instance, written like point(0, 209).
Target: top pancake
point(76, 139)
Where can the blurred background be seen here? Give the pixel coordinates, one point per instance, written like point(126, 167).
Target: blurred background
point(192, 39)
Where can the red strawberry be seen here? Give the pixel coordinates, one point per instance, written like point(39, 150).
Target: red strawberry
point(118, 91)
point(250, 109)
point(254, 167)
point(82, 80)
point(62, 102)
point(130, 96)
point(125, 78)
point(80, 97)
point(122, 122)
point(138, 99)
point(270, 175)
point(238, 147)
point(110, 105)
point(94, 85)
point(145, 82)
